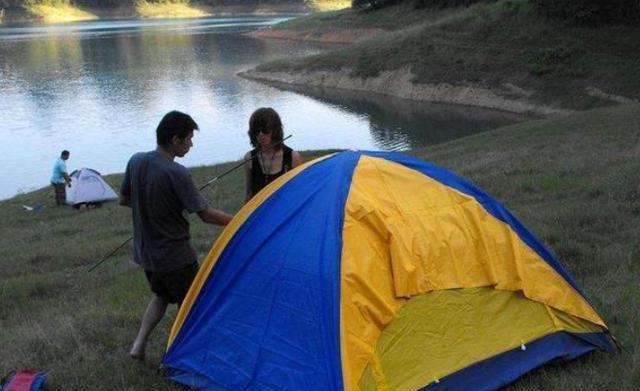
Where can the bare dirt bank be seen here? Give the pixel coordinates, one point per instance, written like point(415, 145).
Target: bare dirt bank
point(400, 84)
point(317, 35)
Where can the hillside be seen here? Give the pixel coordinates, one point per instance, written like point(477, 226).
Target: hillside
point(498, 54)
point(572, 180)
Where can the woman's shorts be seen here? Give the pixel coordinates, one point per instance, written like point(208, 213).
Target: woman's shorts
point(172, 286)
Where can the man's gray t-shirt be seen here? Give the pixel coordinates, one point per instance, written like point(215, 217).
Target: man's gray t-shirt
point(159, 192)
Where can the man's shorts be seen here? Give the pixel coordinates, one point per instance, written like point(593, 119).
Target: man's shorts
point(60, 193)
point(172, 286)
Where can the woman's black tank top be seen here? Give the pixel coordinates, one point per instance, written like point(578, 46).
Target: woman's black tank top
point(258, 178)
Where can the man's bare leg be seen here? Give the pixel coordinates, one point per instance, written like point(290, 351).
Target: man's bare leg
point(154, 313)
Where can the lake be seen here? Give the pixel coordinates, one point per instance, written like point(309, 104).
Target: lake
point(100, 88)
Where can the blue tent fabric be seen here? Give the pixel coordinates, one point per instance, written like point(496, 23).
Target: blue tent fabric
point(502, 370)
point(283, 290)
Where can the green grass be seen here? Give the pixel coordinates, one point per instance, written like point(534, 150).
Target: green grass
point(350, 18)
point(488, 45)
point(572, 180)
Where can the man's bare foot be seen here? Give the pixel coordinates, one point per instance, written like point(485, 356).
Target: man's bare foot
point(137, 352)
point(136, 356)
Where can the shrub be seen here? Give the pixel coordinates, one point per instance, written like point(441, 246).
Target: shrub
point(448, 3)
point(591, 12)
point(45, 2)
point(550, 59)
point(102, 3)
point(375, 4)
point(372, 4)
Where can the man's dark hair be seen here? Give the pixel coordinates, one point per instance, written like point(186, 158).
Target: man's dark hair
point(172, 124)
point(265, 118)
point(64, 153)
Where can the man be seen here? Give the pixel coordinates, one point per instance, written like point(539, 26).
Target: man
point(60, 178)
point(159, 190)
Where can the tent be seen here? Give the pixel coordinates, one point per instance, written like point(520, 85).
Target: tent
point(87, 186)
point(377, 271)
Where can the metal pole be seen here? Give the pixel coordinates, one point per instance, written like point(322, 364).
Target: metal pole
point(213, 180)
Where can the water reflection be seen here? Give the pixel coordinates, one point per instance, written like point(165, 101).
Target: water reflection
point(100, 88)
point(398, 124)
point(87, 29)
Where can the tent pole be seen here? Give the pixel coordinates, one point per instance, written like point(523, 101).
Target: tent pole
point(211, 181)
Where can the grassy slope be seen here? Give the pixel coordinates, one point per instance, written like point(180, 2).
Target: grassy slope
point(486, 45)
point(387, 19)
point(573, 180)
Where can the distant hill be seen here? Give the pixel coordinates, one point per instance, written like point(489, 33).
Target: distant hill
point(503, 54)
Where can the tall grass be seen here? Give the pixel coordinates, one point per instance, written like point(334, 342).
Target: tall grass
point(572, 180)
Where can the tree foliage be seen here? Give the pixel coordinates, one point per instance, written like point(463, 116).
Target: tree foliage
point(592, 12)
point(372, 4)
point(448, 3)
point(246, 2)
point(104, 3)
point(375, 4)
point(46, 2)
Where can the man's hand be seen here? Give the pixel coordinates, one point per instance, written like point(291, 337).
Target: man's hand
point(214, 216)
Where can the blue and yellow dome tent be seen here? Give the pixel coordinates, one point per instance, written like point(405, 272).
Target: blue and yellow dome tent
point(376, 271)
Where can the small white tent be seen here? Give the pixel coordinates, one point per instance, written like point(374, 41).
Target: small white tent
point(87, 186)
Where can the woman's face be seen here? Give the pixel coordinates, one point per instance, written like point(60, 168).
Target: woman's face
point(264, 139)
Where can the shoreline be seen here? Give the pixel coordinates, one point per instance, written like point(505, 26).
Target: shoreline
point(75, 14)
point(313, 35)
point(399, 84)
point(435, 56)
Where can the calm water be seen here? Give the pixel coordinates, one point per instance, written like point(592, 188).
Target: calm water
point(100, 88)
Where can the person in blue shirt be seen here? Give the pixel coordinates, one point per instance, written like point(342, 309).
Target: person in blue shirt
point(60, 178)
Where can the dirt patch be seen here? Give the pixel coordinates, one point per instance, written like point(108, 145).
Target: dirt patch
point(333, 36)
point(400, 84)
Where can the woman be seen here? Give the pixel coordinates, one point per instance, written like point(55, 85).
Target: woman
point(270, 158)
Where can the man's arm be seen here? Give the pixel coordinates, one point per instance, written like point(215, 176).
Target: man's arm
point(67, 178)
point(214, 216)
point(194, 202)
point(125, 188)
point(125, 200)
